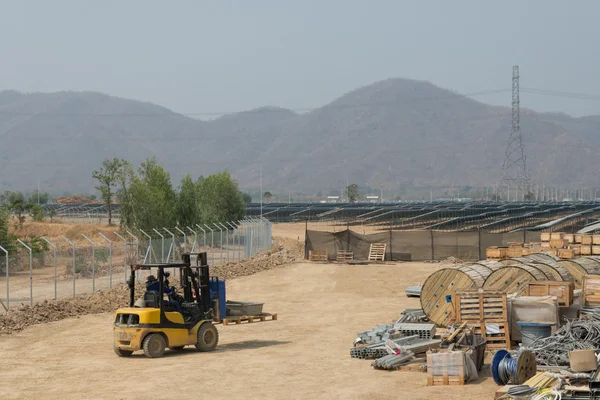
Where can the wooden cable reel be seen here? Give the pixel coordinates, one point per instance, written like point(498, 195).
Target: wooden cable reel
point(578, 267)
point(437, 290)
point(514, 278)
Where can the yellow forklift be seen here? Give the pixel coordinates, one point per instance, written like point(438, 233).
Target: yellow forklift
point(153, 324)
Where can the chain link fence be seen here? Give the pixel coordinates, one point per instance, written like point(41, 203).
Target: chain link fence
point(77, 266)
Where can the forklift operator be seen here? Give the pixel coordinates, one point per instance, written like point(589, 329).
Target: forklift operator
point(152, 285)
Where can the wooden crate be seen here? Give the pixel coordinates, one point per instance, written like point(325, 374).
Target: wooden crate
point(562, 290)
point(515, 245)
point(318, 255)
point(377, 252)
point(496, 252)
point(556, 235)
point(447, 368)
point(545, 236)
point(566, 253)
point(577, 238)
point(586, 239)
point(596, 249)
point(475, 305)
point(514, 252)
point(344, 255)
point(545, 245)
point(576, 249)
point(595, 239)
point(569, 237)
point(559, 243)
point(478, 308)
point(586, 250)
point(591, 290)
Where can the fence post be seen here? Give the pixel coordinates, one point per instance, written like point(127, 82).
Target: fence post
point(221, 242)
point(110, 265)
point(432, 248)
point(233, 231)
point(7, 292)
point(93, 262)
point(124, 255)
point(195, 239)
point(30, 271)
point(184, 240)
point(226, 239)
point(54, 248)
point(137, 246)
point(162, 246)
point(73, 246)
point(212, 244)
point(172, 244)
point(149, 250)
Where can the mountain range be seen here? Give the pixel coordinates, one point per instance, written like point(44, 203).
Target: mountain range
point(385, 135)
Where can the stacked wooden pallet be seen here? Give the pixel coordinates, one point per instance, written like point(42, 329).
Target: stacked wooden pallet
point(486, 313)
point(562, 245)
point(318, 255)
point(377, 252)
point(344, 256)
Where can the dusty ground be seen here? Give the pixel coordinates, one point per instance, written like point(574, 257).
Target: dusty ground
point(305, 354)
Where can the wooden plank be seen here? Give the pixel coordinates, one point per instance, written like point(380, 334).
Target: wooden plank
point(250, 319)
point(591, 290)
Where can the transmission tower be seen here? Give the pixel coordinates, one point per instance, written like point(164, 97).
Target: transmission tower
point(514, 181)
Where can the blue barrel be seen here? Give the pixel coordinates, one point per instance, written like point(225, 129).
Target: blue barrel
point(217, 291)
point(532, 331)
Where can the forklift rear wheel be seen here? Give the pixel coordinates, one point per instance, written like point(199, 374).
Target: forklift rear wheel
point(154, 345)
point(208, 337)
point(122, 353)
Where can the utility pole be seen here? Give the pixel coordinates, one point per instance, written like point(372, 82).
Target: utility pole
point(261, 191)
point(514, 168)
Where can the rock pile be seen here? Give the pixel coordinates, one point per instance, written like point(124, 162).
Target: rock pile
point(284, 252)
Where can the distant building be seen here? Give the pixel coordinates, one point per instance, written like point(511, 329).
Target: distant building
point(372, 199)
point(333, 199)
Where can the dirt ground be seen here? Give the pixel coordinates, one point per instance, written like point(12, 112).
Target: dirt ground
point(304, 354)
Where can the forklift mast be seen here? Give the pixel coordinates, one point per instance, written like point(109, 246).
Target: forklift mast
point(201, 288)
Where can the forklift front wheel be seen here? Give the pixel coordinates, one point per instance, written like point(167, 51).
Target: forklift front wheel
point(154, 345)
point(208, 337)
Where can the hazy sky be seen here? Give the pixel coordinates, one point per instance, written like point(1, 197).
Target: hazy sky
point(213, 56)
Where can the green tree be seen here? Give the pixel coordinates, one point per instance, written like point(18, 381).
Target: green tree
point(37, 213)
point(219, 199)
point(187, 210)
point(147, 199)
point(38, 197)
point(51, 214)
point(108, 177)
point(352, 193)
point(6, 239)
point(17, 204)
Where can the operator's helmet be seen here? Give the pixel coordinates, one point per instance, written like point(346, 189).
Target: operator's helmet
point(151, 279)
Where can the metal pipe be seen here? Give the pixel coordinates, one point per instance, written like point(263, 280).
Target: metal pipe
point(221, 242)
point(195, 238)
point(93, 262)
point(184, 240)
point(73, 246)
point(226, 239)
point(110, 266)
point(203, 234)
point(53, 247)
point(137, 243)
point(124, 255)
point(149, 251)
point(7, 292)
point(162, 248)
point(172, 242)
point(212, 247)
point(30, 271)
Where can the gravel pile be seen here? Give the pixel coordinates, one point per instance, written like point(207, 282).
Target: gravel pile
point(284, 252)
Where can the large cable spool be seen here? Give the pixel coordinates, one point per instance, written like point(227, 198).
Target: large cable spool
point(578, 267)
point(552, 269)
point(514, 278)
point(437, 290)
